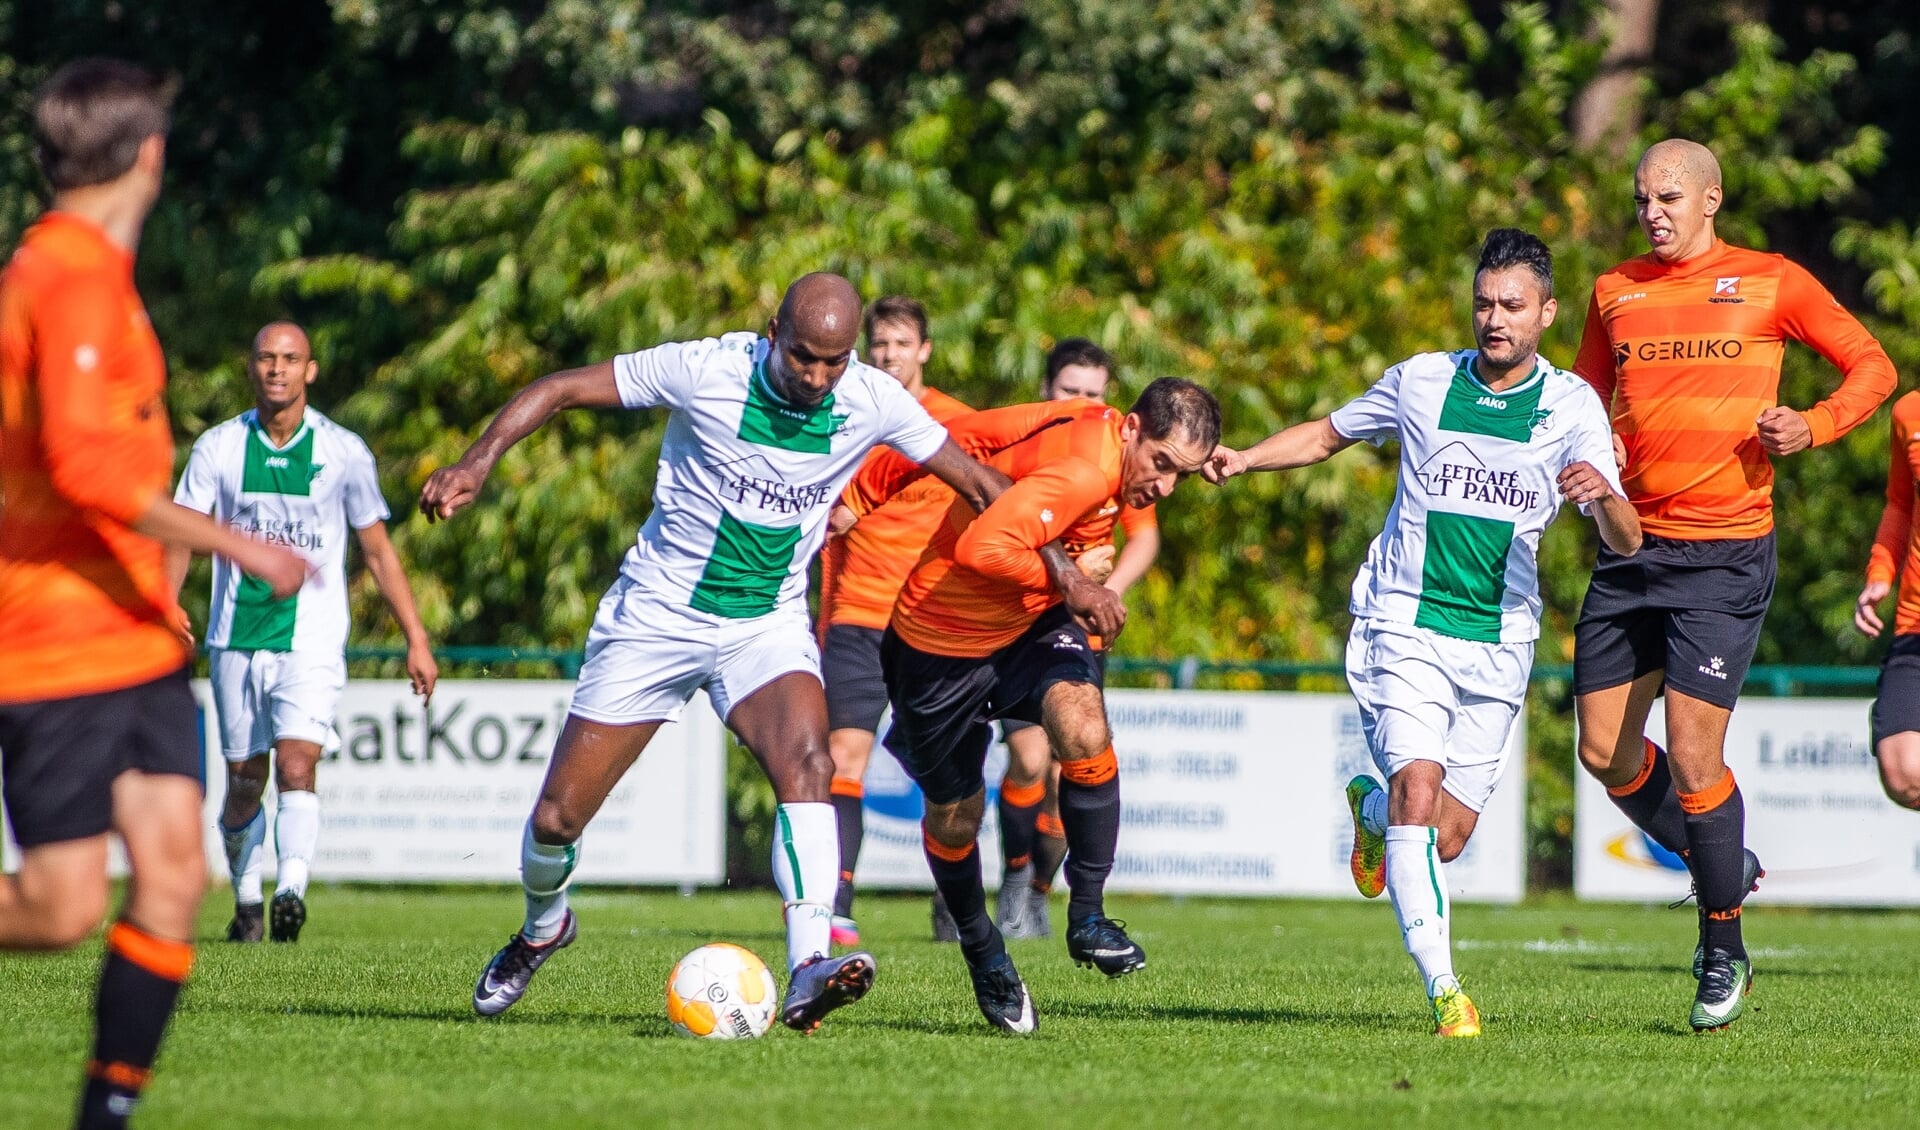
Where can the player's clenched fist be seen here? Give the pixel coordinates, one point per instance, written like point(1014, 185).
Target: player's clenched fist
point(1784, 431)
point(1581, 484)
point(1224, 464)
point(449, 490)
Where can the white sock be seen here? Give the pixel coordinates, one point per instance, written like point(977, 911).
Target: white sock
point(1373, 812)
point(1419, 890)
point(296, 831)
point(545, 871)
point(243, 856)
point(806, 867)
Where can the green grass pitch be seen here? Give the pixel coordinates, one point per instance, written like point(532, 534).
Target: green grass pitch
point(1249, 1013)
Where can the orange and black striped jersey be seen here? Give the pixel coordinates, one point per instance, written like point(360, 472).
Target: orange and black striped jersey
point(861, 572)
point(85, 448)
point(981, 581)
point(1687, 357)
point(1896, 548)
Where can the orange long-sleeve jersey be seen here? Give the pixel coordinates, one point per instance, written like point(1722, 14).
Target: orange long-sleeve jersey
point(85, 448)
point(1896, 547)
point(861, 573)
point(1688, 356)
point(981, 581)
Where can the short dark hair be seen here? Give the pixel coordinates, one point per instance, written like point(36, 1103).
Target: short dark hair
point(1076, 351)
point(91, 117)
point(898, 308)
point(1170, 403)
point(1511, 247)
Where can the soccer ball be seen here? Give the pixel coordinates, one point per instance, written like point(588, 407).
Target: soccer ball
point(720, 992)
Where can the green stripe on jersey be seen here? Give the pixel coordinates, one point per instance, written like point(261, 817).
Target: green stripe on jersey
point(749, 564)
point(770, 422)
point(270, 471)
point(261, 623)
point(1464, 576)
point(1473, 408)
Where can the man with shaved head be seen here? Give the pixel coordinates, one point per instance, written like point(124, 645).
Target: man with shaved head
point(1684, 346)
point(287, 475)
point(762, 435)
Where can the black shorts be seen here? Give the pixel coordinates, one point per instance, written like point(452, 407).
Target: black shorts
point(1692, 608)
point(59, 758)
point(1896, 703)
point(942, 705)
point(850, 668)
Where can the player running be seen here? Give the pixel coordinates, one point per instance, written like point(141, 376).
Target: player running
point(980, 633)
point(1447, 606)
point(762, 435)
point(286, 474)
point(98, 730)
point(1896, 552)
point(1684, 345)
point(860, 575)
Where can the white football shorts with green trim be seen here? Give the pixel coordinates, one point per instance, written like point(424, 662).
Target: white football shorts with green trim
point(1424, 696)
point(267, 696)
point(647, 655)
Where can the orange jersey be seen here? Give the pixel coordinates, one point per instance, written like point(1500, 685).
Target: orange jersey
point(981, 581)
point(1134, 519)
point(1686, 357)
point(861, 573)
point(1896, 548)
point(85, 448)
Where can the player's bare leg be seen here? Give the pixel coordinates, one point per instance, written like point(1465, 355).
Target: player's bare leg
point(58, 896)
point(784, 724)
point(1023, 791)
point(851, 749)
point(1075, 716)
point(1899, 758)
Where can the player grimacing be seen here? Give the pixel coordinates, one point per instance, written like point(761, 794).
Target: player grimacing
point(1447, 606)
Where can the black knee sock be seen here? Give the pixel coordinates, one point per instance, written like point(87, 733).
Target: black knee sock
point(958, 877)
point(1649, 800)
point(1090, 811)
point(1049, 851)
point(1716, 819)
point(1019, 809)
point(139, 983)
point(849, 810)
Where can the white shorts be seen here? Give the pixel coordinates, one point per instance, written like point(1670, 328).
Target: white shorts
point(265, 696)
point(1428, 697)
point(646, 656)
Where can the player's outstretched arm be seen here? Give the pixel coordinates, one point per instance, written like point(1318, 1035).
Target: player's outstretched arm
point(971, 479)
point(1584, 485)
point(165, 520)
point(1302, 445)
point(391, 579)
point(451, 489)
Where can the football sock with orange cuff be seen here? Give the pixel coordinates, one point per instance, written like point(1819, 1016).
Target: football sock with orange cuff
point(1716, 849)
point(1649, 800)
point(1019, 809)
point(1090, 812)
point(139, 983)
point(1049, 850)
point(849, 808)
point(956, 871)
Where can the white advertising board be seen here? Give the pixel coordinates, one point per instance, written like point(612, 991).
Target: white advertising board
point(1235, 793)
point(441, 791)
point(1816, 815)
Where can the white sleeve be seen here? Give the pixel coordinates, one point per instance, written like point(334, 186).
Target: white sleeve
point(663, 376)
point(1374, 415)
point(1590, 440)
point(905, 426)
point(360, 493)
point(199, 487)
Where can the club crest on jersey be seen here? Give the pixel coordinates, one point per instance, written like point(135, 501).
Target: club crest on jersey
point(1541, 420)
point(1726, 290)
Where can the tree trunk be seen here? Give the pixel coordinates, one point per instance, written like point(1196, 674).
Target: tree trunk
point(1608, 111)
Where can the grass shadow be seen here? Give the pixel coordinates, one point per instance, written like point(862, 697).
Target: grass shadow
point(1206, 1014)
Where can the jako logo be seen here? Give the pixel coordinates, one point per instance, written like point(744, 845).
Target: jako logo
point(1492, 402)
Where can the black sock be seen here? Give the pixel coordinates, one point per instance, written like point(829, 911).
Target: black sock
point(1049, 851)
point(1716, 821)
point(1653, 805)
point(139, 983)
point(965, 893)
point(1090, 810)
point(849, 810)
point(1017, 826)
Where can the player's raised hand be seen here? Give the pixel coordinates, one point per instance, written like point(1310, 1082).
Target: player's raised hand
point(1866, 612)
point(1784, 431)
point(1223, 464)
point(450, 490)
point(422, 671)
point(1098, 608)
point(1582, 483)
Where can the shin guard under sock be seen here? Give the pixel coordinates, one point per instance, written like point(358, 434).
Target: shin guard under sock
point(1019, 810)
point(849, 808)
point(956, 871)
point(1716, 822)
point(1090, 813)
point(1650, 801)
point(139, 983)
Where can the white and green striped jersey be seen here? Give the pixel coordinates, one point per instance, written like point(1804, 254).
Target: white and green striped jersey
point(746, 480)
point(1477, 488)
point(304, 495)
